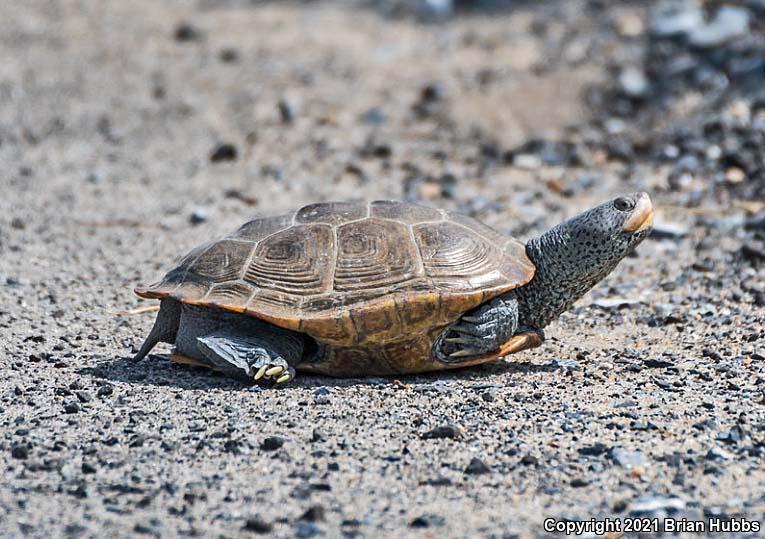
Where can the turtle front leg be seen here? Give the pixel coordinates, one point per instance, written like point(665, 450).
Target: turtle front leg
point(482, 330)
point(257, 357)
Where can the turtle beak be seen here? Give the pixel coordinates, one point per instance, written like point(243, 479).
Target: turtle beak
point(642, 215)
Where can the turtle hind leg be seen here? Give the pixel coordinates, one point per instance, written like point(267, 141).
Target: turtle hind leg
point(165, 327)
point(269, 354)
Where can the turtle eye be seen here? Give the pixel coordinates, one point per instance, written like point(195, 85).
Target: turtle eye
point(624, 204)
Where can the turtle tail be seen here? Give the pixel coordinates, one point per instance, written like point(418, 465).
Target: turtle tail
point(165, 327)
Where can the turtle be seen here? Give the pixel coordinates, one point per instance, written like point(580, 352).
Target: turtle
point(356, 289)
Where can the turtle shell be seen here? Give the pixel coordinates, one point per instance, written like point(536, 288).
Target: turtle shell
point(352, 274)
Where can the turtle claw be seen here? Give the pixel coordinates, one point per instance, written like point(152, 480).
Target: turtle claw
point(286, 377)
point(465, 353)
point(472, 319)
point(273, 371)
point(261, 372)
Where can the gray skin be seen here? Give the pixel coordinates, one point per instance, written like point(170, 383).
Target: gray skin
point(570, 259)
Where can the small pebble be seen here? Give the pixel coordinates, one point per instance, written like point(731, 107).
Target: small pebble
point(728, 23)
point(527, 161)
point(229, 56)
point(477, 467)
point(374, 116)
point(426, 521)
point(321, 395)
point(627, 459)
point(579, 482)
point(444, 431)
point(186, 32)
point(71, 408)
point(569, 364)
point(199, 215)
point(258, 525)
point(308, 529)
point(272, 443)
point(315, 513)
point(223, 152)
point(633, 82)
point(20, 452)
point(287, 111)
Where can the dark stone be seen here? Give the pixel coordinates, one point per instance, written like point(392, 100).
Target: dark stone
point(657, 363)
point(444, 431)
point(593, 450)
point(426, 521)
point(287, 111)
point(756, 222)
point(315, 513)
point(88, 468)
point(199, 215)
point(477, 467)
point(439, 481)
point(579, 482)
point(257, 525)
point(105, 390)
point(229, 56)
point(186, 32)
point(224, 151)
point(20, 451)
point(433, 91)
point(321, 395)
point(753, 253)
point(71, 408)
point(529, 460)
point(272, 443)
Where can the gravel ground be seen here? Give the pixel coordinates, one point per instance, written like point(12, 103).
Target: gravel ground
point(130, 132)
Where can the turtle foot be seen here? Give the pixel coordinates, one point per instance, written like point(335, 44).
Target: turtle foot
point(245, 356)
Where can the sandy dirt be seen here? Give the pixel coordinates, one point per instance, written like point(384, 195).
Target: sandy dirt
point(645, 400)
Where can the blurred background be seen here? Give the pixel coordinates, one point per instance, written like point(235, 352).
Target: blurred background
point(132, 131)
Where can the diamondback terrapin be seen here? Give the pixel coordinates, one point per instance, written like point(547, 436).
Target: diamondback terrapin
point(381, 288)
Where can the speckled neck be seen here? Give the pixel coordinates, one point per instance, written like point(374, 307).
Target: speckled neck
point(565, 272)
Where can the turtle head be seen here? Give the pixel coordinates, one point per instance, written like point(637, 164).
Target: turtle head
point(599, 238)
point(576, 254)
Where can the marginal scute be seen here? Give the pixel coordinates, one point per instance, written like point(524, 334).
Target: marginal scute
point(515, 265)
point(335, 327)
point(381, 323)
point(233, 296)
point(374, 254)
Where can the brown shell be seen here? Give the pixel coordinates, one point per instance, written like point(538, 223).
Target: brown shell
point(352, 274)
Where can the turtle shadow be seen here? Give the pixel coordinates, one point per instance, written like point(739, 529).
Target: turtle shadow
point(158, 371)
